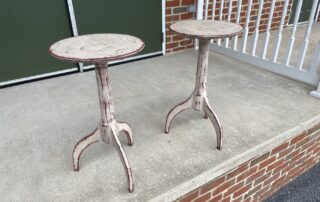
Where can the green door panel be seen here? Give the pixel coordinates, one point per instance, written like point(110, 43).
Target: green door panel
point(141, 18)
point(28, 27)
point(304, 13)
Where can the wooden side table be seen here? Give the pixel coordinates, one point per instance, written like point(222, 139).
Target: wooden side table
point(204, 30)
point(100, 49)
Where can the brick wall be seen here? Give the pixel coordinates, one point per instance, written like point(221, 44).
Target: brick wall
point(261, 176)
point(177, 10)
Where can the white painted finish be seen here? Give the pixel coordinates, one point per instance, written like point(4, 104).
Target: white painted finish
point(315, 64)
point(235, 40)
point(126, 59)
point(276, 47)
point(256, 30)
point(96, 47)
point(317, 14)
point(267, 34)
point(293, 32)
point(220, 15)
point(226, 44)
point(303, 49)
point(246, 28)
point(294, 73)
point(206, 9)
point(164, 38)
point(213, 14)
point(74, 26)
point(40, 76)
point(206, 29)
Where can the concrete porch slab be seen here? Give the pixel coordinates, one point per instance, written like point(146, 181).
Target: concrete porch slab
point(40, 123)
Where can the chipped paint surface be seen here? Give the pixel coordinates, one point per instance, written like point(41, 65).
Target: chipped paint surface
point(96, 48)
point(209, 29)
point(99, 49)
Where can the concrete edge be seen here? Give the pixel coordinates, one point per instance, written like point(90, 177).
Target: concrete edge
point(232, 163)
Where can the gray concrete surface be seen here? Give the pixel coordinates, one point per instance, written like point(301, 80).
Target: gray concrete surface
point(305, 188)
point(40, 123)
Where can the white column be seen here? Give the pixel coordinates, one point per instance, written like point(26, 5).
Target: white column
point(305, 43)
point(276, 47)
point(229, 19)
point(267, 34)
point(235, 40)
point(220, 15)
point(293, 33)
point(256, 30)
point(213, 14)
point(246, 28)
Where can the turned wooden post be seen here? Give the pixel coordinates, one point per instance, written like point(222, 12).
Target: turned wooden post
point(99, 49)
point(204, 30)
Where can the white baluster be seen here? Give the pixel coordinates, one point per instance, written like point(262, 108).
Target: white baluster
point(235, 40)
point(276, 47)
point(267, 34)
point(246, 28)
point(316, 59)
point(256, 30)
point(206, 9)
point(317, 15)
point(220, 15)
point(305, 44)
point(199, 16)
point(293, 33)
point(213, 14)
point(226, 44)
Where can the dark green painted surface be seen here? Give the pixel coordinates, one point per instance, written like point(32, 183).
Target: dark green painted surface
point(305, 11)
point(28, 27)
point(141, 18)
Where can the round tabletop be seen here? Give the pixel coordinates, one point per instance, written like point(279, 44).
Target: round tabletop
point(96, 48)
point(206, 29)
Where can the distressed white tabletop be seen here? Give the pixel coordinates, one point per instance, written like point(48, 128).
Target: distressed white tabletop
point(208, 29)
point(96, 47)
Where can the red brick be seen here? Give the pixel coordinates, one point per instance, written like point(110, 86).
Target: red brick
point(262, 178)
point(285, 152)
point(211, 185)
point(186, 16)
point(172, 3)
point(298, 138)
point(190, 196)
point(187, 2)
point(255, 176)
point(172, 45)
point(238, 171)
point(280, 148)
point(271, 179)
point(275, 164)
point(247, 173)
point(280, 167)
point(267, 162)
point(203, 198)
point(216, 198)
point(259, 159)
point(186, 42)
point(223, 187)
point(233, 189)
point(242, 191)
point(226, 199)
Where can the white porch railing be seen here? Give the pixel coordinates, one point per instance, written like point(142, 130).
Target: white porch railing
point(265, 58)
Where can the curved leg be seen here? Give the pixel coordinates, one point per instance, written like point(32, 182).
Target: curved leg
point(187, 104)
point(124, 159)
point(205, 116)
point(215, 121)
point(122, 126)
point(82, 145)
